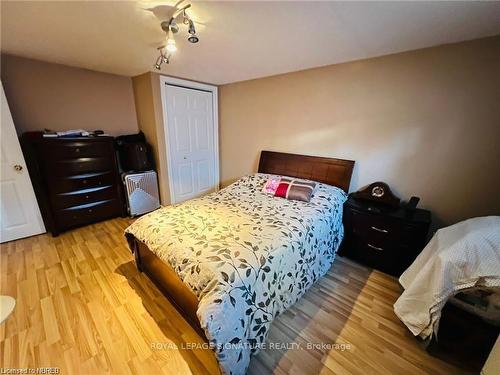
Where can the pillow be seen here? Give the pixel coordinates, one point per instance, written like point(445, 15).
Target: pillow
point(295, 189)
point(271, 185)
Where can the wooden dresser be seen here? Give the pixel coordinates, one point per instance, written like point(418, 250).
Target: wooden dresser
point(76, 180)
point(382, 237)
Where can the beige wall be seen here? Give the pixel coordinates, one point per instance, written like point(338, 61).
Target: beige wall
point(427, 122)
point(45, 95)
point(150, 119)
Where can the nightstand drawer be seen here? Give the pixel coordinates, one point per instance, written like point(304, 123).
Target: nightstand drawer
point(375, 255)
point(382, 231)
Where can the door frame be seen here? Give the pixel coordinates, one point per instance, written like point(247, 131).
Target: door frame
point(166, 80)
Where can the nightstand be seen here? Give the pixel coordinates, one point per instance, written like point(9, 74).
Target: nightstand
point(383, 237)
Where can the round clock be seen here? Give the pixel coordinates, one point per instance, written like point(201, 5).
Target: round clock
point(378, 191)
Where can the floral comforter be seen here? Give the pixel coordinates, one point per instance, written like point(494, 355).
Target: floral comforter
point(247, 256)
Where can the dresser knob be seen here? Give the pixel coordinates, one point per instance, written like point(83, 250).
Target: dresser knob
point(90, 210)
point(86, 197)
point(84, 182)
point(77, 150)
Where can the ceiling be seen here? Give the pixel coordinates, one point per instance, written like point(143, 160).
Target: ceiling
point(238, 40)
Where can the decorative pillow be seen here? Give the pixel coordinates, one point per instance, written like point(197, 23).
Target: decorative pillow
point(295, 189)
point(271, 185)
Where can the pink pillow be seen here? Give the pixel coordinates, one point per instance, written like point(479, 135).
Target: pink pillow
point(271, 185)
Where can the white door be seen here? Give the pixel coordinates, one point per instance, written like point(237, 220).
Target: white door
point(192, 158)
point(19, 212)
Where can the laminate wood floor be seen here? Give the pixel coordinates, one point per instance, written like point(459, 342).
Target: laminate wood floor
point(83, 307)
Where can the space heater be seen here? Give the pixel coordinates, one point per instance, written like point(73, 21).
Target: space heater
point(142, 192)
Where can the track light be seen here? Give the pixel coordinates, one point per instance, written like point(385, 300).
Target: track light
point(159, 60)
point(171, 27)
point(163, 58)
point(191, 29)
point(171, 47)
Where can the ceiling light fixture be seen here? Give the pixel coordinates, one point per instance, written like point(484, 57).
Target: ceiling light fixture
point(192, 31)
point(163, 58)
point(170, 27)
point(185, 18)
point(171, 47)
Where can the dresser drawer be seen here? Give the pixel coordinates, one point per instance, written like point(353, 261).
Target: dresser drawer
point(76, 149)
point(82, 181)
point(84, 196)
point(87, 213)
point(76, 166)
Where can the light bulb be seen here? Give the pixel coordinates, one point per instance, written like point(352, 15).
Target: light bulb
point(171, 47)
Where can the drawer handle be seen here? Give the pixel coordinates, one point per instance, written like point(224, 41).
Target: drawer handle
point(375, 247)
point(380, 230)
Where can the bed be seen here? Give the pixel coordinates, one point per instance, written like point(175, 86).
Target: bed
point(459, 258)
point(233, 260)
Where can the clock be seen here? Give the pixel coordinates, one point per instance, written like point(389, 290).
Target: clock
point(377, 192)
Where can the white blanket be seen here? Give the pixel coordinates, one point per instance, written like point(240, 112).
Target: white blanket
point(461, 256)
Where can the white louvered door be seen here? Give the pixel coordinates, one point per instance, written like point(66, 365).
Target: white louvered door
point(191, 141)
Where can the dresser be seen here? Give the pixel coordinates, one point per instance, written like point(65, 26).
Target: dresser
point(383, 237)
point(76, 180)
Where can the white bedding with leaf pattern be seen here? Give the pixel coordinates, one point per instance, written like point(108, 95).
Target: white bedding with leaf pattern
point(247, 256)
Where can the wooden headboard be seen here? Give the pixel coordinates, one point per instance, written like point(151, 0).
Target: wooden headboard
point(336, 172)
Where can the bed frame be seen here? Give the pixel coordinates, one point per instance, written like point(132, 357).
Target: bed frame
point(336, 172)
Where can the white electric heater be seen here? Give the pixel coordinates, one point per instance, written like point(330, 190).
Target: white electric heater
point(142, 192)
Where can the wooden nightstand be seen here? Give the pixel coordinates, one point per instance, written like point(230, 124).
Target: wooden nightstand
point(383, 237)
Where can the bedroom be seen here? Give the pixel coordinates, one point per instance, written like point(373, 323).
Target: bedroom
point(314, 163)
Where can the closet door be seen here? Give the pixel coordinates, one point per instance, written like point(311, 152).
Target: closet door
point(192, 156)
